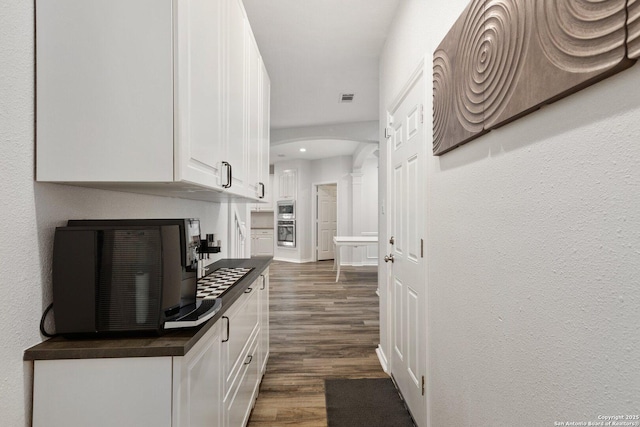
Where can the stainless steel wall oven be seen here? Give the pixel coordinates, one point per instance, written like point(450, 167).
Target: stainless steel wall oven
point(286, 233)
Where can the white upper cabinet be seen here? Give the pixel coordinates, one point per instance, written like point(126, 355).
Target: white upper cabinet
point(147, 96)
point(105, 107)
point(236, 139)
point(200, 110)
point(254, 118)
point(258, 119)
point(287, 184)
point(265, 138)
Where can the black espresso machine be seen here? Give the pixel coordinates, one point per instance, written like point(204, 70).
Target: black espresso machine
point(127, 276)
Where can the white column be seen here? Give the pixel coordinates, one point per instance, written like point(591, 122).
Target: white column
point(357, 254)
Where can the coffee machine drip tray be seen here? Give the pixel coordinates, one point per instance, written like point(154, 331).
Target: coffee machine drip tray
point(205, 310)
point(214, 284)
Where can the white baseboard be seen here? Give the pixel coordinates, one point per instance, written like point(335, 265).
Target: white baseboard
point(358, 264)
point(296, 261)
point(382, 359)
point(363, 264)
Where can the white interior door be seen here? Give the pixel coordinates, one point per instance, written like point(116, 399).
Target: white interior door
point(327, 220)
point(407, 226)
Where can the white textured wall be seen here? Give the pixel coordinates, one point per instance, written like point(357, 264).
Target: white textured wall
point(20, 275)
point(370, 195)
point(30, 211)
point(533, 251)
point(355, 131)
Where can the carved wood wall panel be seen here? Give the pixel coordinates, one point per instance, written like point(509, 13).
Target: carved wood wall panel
point(633, 25)
point(450, 129)
point(505, 58)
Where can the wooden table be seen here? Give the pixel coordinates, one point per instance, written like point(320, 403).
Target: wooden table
point(353, 241)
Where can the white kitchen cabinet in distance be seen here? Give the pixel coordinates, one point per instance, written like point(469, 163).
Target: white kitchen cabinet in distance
point(287, 184)
point(145, 96)
point(266, 204)
point(262, 242)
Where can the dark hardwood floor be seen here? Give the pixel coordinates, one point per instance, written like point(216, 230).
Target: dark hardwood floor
point(319, 329)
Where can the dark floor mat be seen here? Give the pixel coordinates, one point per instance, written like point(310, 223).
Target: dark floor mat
point(367, 402)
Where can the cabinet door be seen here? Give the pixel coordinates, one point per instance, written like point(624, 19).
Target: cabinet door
point(264, 244)
point(241, 331)
point(102, 392)
point(199, 93)
point(238, 406)
point(287, 184)
point(254, 128)
point(254, 247)
point(241, 320)
point(198, 384)
point(268, 193)
point(105, 91)
point(265, 138)
point(235, 84)
point(264, 322)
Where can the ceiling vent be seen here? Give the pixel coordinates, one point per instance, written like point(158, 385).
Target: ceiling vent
point(346, 97)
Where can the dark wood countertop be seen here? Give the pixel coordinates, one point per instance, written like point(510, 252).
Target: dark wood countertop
point(173, 343)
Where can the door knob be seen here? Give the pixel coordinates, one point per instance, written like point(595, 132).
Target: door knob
point(388, 258)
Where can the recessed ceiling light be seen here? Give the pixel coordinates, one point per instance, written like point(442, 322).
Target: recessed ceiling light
point(302, 150)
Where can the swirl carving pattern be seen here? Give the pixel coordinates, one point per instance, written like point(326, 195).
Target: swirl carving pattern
point(503, 59)
point(442, 97)
point(581, 36)
point(492, 49)
point(633, 25)
point(469, 85)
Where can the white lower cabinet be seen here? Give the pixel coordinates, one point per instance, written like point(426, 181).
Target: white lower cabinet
point(197, 385)
point(239, 357)
point(263, 345)
point(261, 242)
point(215, 384)
point(133, 391)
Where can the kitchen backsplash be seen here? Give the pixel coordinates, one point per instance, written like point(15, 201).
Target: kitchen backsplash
point(262, 220)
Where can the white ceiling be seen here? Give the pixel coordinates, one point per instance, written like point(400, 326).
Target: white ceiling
point(315, 50)
point(314, 149)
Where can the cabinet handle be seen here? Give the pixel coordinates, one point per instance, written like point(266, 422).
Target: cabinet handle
point(264, 282)
point(229, 175)
point(248, 290)
point(261, 190)
point(228, 328)
point(250, 357)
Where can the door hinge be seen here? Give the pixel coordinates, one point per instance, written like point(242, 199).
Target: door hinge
point(388, 131)
point(423, 385)
point(421, 248)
